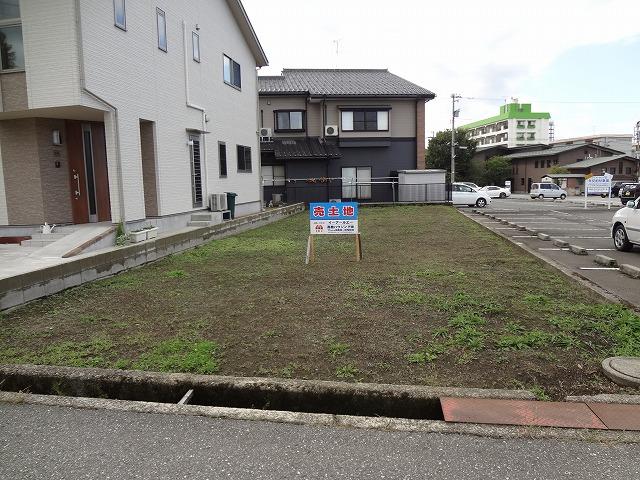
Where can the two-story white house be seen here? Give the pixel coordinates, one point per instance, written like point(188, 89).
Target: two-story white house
point(126, 111)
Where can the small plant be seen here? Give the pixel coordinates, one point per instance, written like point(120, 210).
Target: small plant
point(270, 334)
point(177, 274)
point(469, 337)
point(121, 235)
point(179, 355)
point(540, 393)
point(287, 372)
point(421, 358)
point(466, 319)
point(347, 371)
point(336, 349)
point(530, 339)
point(537, 300)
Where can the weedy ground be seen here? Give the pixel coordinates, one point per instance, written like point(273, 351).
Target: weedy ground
point(436, 300)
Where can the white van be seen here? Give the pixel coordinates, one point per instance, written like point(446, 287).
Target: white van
point(547, 190)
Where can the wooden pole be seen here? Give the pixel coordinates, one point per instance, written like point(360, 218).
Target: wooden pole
point(358, 248)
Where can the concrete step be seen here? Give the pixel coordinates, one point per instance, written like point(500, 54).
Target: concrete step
point(36, 243)
point(199, 223)
point(50, 236)
point(201, 217)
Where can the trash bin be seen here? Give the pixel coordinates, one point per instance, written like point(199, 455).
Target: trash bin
point(231, 203)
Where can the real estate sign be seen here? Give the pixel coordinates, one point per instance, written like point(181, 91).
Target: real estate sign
point(598, 184)
point(334, 218)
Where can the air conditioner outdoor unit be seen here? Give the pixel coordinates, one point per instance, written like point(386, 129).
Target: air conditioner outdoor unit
point(218, 202)
point(330, 130)
point(265, 134)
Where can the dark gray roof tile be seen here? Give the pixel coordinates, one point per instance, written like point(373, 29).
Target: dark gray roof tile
point(341, 83)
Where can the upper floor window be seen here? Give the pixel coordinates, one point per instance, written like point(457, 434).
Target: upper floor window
point(289, 120)
point(244, 159)
point(195, 46)
point(531, 124)
point(231, 72)
point(11, 45)
point(161, 21)
point(520, 124)
point(365, 120)
point(120, 14)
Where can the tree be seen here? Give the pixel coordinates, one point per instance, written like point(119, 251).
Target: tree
point(557, 169)
point(439, 153)
point(497, 170)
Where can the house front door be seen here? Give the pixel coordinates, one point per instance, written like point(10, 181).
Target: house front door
point(88, 172)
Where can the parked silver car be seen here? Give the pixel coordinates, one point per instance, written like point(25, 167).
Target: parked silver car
point(547, 190)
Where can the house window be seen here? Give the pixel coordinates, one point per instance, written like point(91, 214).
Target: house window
point(531, 124)
point(273, 175)
point(356, 183)
point(628, 171)
point(536, 164)
point(522, 181)
point(231, 72)
point(195, 46)
point(555, 161)
point(161, 22)
point(549, 163)
point(289, 120)
point(520, 124)
point(244, 159)
point(120, 14)
point(365, 120)
point(222, 154)
point(519, 136)
point(531, 136)
point(11, 44)
point(612, 170)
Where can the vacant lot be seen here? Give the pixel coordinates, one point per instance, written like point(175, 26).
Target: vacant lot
point(437, 300)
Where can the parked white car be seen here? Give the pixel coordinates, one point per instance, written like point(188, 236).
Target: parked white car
point(496, 192)
point(472, 185)
point(462, 194)
point(547, 190)
point(625, 226)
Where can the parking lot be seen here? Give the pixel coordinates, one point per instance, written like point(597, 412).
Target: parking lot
point(566, 221)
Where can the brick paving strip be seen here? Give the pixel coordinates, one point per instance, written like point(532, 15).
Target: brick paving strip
point(600, 416)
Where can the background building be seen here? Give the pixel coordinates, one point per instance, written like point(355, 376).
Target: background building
point(516, 125)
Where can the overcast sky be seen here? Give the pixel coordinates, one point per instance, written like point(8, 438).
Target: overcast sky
point(577, 59)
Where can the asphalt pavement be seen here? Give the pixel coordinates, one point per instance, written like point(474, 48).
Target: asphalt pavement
point(38, 442)
point(568, 220)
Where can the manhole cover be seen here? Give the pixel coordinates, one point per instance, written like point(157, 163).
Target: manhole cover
point(628, 366)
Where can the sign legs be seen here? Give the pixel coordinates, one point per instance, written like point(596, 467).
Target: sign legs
point(310, 250)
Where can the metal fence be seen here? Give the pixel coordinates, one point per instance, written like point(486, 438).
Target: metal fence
point(387, 191)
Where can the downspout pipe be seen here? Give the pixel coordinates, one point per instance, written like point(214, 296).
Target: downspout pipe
point(113, 108)
point(202, 110)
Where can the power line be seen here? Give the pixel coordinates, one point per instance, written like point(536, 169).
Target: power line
point(603, 102)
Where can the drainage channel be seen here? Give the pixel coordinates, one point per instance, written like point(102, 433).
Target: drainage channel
point(370, 400)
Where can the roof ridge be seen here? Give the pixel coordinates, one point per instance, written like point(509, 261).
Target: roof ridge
point(335, 70)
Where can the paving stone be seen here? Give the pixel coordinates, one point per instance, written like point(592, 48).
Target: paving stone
point(616, 416)
point(622, 370)
point(520, 412)
point(577, 250)
point(605, 261)
point(630, 270)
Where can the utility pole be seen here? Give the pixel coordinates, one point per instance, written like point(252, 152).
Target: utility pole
point(454, 114)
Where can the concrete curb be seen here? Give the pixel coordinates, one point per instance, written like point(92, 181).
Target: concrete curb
point(327, 420)
point(606, 261)
point(630, 270)
point(577, 250)
point(560, 243)
point(620, 399)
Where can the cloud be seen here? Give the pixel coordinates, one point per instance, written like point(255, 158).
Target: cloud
point(474, 48)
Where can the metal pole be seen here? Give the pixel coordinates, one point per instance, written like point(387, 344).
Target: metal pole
point(453, 137)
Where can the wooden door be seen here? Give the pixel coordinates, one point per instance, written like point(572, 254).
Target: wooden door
point(100, 172)
point(77, 175)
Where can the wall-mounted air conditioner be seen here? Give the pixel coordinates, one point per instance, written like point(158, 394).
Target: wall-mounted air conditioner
point(218, 202)
point(330, 130)
point(265, 134)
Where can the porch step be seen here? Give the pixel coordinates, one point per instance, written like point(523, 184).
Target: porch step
point(36, 243)
point(50, 236)
point(201, 217)
point(199, 223)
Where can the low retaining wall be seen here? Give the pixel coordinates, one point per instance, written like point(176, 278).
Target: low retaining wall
point(23, 288)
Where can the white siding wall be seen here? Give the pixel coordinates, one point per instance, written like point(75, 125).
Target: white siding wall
point(129, 71)
point(51, 54)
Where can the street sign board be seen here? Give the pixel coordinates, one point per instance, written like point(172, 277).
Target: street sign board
point(333, 218)
point(598, 184)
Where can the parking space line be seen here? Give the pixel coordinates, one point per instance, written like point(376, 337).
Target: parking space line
point(524, 236)
point(557, 236)
point(599, 268)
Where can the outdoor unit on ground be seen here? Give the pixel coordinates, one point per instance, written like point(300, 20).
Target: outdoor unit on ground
point(265, 134)
point(330, 130)
point(218, 202)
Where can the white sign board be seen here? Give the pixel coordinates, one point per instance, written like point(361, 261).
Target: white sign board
point(600, 184)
